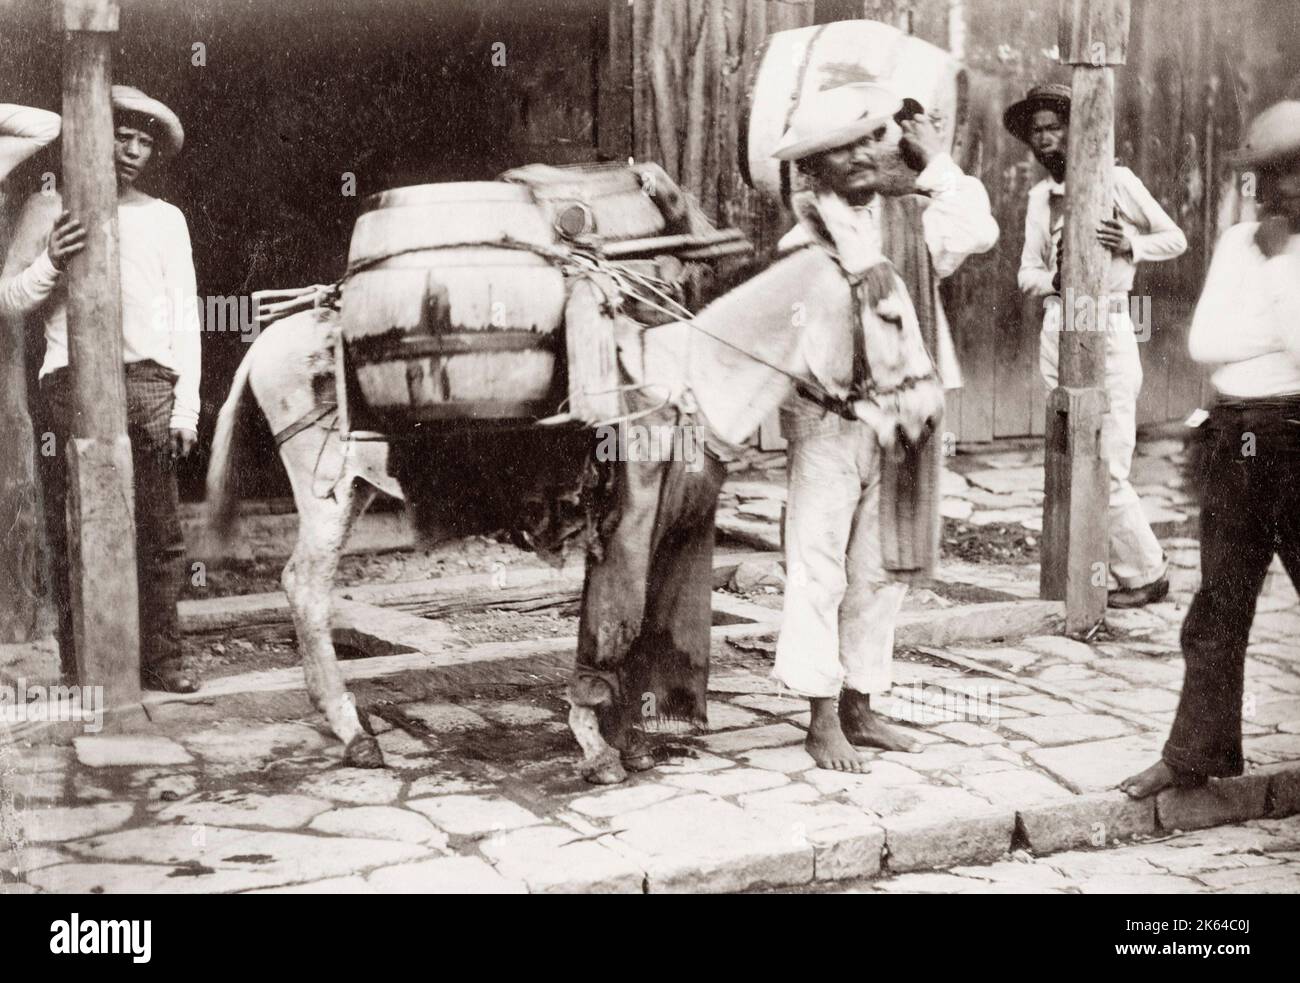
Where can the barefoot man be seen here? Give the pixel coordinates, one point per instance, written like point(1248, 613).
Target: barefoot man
point(1246, 454)
point(837, 632)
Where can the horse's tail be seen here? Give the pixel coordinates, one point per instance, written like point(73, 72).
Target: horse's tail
point(228, 446)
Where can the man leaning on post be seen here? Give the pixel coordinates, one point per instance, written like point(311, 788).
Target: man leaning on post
point(160, 335)
point(1138, 231)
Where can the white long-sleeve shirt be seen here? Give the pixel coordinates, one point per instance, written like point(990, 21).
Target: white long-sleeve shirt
point(24, 131)
point(160, 318)
point(1247, 321)
point(1151, 231)
point(957, 223)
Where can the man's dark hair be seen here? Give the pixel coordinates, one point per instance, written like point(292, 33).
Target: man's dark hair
point(138, 121)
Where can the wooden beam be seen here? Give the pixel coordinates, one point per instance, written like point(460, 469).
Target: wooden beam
point(614, 85)
point(101, 525)
point(1093, 37)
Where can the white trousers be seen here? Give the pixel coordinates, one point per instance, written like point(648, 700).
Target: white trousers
point(837, 627)
point(1136, 557)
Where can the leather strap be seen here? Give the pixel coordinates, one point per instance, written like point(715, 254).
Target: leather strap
point(308, 419)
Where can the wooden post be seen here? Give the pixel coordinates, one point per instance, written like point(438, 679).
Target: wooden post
point(1093, 37)
point(101, 526)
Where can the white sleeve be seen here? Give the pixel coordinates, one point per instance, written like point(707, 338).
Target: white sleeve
point(29, 277)
point(23, 293)
point(24, 131)
point(1211, 339)
point(185, 343)
point(958, 221)
point(1162, 239)
point(1284, 286)
point(1035, 277)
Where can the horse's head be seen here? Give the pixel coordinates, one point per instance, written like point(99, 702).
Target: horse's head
point(795, 323)
point(747, 349)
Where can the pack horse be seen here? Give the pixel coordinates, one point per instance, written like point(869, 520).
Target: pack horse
point(420, 341)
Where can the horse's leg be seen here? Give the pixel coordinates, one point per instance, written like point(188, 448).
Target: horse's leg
point(308, 579)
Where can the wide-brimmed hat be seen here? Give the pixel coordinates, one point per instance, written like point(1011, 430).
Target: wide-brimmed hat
point(1019, 116)
point(1272, 136)
point(836, 117)
point(164, 124)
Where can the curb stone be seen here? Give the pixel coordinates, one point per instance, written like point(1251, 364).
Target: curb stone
point(1067, 825)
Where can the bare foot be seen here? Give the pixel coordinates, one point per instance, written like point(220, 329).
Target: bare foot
point(864, 727)
point(826, 741)
point(1155, 779)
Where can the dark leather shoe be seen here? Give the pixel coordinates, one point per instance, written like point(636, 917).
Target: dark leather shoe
point(169, 679)
point(1137, 597)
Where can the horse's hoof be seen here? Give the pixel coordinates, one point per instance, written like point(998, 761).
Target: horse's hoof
point(604, 769)
point(363, 752)
point(638, 752)
point(638, 762)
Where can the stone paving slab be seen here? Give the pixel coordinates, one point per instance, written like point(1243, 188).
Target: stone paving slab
point(1023, 738)
point(1249, 859)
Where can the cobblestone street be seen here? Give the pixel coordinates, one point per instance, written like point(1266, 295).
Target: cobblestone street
point(1025, 735)
point(1261, 857)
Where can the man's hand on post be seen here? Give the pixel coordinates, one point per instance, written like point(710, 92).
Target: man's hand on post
point(67, 238)
point(183, 442)
point(1112, 235)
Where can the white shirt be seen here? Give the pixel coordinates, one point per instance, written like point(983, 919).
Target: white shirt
point(160, 318)
point(1247, 321)
point(957, 223)
point(23, 131)
point(1151, 232)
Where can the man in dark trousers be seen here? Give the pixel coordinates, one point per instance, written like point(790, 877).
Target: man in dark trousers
point(1246, 455)
point(160, 333)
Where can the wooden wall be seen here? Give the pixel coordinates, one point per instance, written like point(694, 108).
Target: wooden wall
point(296, 93)
point(1198, 69)
point(404, 91)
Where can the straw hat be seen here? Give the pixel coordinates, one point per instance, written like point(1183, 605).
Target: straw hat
point(836, 117)
point(1019, 116)
point(166, 127)
point(1273, 135)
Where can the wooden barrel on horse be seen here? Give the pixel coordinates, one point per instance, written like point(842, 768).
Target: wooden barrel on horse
point(795, 64)
point(452, 303)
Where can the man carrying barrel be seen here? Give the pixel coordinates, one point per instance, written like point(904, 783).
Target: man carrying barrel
point(878, 184)
point(1139, 231)
point(161, 349)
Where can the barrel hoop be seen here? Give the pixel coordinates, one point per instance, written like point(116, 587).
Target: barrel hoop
point(742, 125)
point(384, 347)
point(548, 253)
point(803, 72)
point(804, 63)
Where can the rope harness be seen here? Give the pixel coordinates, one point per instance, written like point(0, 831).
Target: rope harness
point(632, 283)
